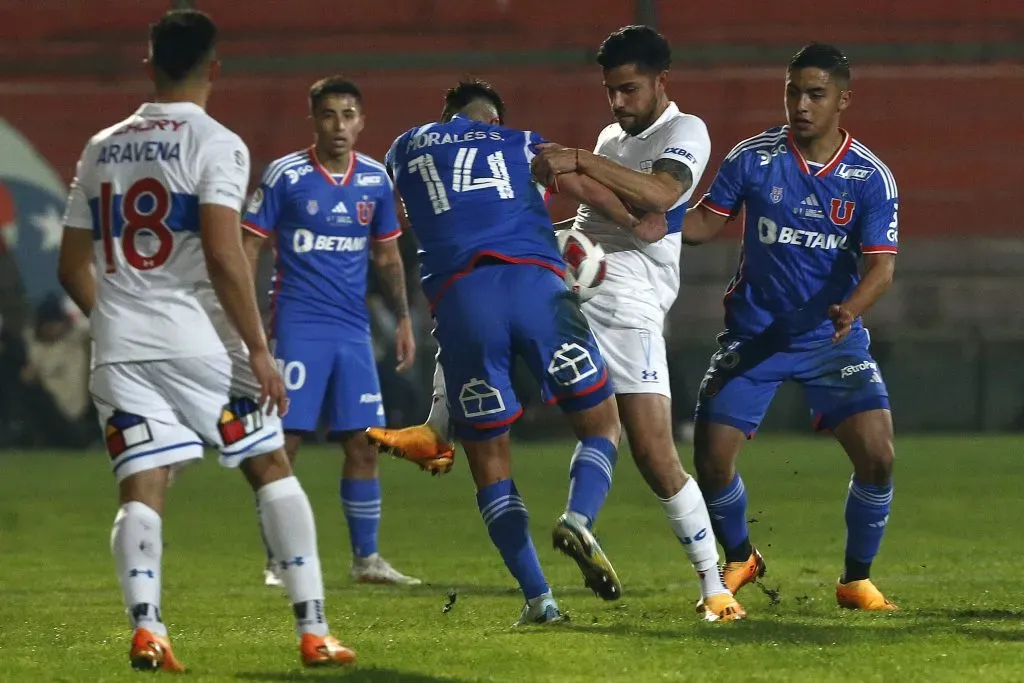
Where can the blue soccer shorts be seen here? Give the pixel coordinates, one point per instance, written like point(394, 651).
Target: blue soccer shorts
point(839, 380)
point(329, 379)
point(497, 313)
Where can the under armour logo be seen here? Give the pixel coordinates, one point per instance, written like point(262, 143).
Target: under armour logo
point(649, 375)
point(296, 562)
point(141, 572)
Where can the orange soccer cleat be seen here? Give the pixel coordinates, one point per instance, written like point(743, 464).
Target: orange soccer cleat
point(420, 445)
point(151, 652)
point(738, 574)
point(862, 595)
point(324, 651)
point(722, 607)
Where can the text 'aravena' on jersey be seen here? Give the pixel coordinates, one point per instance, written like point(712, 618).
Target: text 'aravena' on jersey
point(149, 150)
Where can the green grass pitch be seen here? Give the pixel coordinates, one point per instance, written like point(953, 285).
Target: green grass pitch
point(951, 560)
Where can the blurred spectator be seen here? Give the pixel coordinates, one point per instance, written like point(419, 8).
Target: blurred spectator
point(12, 350)
point(404, 400)
point(56, 410)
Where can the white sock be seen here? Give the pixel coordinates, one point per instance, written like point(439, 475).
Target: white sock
point(438, 419)
point(137, 544)
point(287, 520)
point(689, 518)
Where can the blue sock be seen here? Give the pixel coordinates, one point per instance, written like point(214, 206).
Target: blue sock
point(507, 523)
point(590, 476)
point(867, 512)
point(728, 509)
point(360, 499)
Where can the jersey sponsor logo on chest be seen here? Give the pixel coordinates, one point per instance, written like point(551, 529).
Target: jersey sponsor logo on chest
point(305, 241)
point(769, 232)
point(852, 172)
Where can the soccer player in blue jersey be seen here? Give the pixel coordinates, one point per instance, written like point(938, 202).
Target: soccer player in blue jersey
point(820, 208)
point(492, 271)
point(327, 208)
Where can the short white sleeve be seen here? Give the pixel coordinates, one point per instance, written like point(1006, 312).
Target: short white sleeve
point(224, 171)
point(77, 213)
point(688, 142)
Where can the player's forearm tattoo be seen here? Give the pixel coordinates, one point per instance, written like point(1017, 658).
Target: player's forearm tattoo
point(392, 285)
point(676, 169)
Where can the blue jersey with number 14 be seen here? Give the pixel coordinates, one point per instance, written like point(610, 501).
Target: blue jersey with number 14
point(469, 194)
point(805, 229)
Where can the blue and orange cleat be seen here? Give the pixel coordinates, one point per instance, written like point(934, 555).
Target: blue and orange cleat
point(324, 651)
point(420, 445)
point(738, 574)
point(151, 652)
point(862, 595)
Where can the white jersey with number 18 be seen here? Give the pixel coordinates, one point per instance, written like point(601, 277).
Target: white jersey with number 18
point(138, 188)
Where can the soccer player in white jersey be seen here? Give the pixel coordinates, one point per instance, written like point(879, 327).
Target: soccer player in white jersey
point(652, 158)
point(180, 356)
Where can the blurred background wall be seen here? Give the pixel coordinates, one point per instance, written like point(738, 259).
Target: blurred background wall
point(939, 91)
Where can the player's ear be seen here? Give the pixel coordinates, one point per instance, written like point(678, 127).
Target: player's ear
point(845, 97)
point(214, 70)
point(147, 65)
point(661, 81)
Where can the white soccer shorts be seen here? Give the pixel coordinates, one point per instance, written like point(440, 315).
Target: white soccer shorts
point(630, 334)
point(162, 413)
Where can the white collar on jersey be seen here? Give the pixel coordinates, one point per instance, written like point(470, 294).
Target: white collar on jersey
point(671, 111)
point(151, 108)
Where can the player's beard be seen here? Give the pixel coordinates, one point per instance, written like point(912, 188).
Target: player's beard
point(640, 121)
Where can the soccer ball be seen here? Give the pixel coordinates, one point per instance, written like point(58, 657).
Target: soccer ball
point(584, 262)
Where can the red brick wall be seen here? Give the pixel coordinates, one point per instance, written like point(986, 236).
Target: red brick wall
point(950, 135)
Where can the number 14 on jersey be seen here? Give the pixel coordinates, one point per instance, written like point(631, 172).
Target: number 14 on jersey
point(462, 180)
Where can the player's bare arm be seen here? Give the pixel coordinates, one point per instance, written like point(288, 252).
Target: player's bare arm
point(252, 244)
point(75, 268)
point(657, 191)
point(232, 280)
point(586, 190)
point(879, 270)
point(387, 259)
point(701, 224)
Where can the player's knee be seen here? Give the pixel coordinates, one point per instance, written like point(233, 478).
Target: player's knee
point(868, 440)
point(876, 465)
point(266, 468)
point(601, 420)
point(358, 449)
point(147, 487)
point(715, 448)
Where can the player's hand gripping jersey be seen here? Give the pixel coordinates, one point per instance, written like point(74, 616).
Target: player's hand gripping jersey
point(321, 225)
point(804, 231)
point(138, 187)
point(492, 270)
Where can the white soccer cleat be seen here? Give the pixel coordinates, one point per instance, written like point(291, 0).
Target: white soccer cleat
point(270, 577)
point(544, 610)
point(375, 569)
